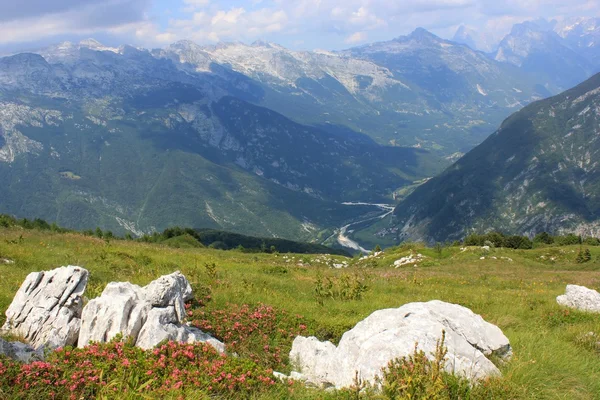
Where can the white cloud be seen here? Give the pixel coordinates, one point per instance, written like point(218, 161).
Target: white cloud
point(193, 5)
point(84, 17)
point(227, 17)
point(196, 3)
point(227, 25)
point(356, 37)
point(309, 23)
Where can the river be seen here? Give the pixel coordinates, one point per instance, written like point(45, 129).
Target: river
point(345, 241)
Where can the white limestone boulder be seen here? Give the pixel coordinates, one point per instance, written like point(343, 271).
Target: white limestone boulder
point(121, 309)
point(392, 333)
point(165, 290)
point(47, 308)
point(148, 315)
point(580, 298)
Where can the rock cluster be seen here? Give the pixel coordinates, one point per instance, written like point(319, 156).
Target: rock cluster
point(410, 259)
point(48, 312)
point(392, 333)
point(148, 315)
point(580, 298)
point(372, 255)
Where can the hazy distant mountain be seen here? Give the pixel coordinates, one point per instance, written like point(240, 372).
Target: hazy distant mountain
point(545, 54)
point(583, 35)
point(539, 172)
point(476, 39)
point(459, 93)
point(255, 138)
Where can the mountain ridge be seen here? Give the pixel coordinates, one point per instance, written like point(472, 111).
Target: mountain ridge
point(536, 173)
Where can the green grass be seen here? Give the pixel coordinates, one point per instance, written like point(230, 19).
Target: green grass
point(554, 355)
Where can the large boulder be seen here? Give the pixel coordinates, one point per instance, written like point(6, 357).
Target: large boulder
point(147, 315)
point(387, 334)
point(47, 308)
point(580, 298)
point(20, 351)
point(121, 309)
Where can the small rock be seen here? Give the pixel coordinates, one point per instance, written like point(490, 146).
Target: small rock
point(580, 298)
point(163, 324)
point(297, 376)
point(20, 351)
point(6, 261)
point(121, 309)
point(280, 376)
point(167, 289)
point(410, 259)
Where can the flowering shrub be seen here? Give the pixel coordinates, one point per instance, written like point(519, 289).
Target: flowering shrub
point(119, 367)
point(260, 333)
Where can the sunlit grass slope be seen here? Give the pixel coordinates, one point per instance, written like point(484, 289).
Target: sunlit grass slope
point(556, 351)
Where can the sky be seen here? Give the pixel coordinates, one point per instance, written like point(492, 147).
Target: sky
point(297, 24)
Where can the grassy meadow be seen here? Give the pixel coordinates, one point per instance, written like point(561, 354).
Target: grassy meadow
point(556, 351)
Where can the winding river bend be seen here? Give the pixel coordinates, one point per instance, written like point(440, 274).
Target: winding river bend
point(342, 239)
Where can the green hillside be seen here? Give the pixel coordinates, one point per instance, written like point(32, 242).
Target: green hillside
point(537, 172)
point(152, 169)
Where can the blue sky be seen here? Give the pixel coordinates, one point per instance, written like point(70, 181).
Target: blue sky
point(298, 24)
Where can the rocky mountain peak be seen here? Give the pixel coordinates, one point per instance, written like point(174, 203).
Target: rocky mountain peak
point(422, 36)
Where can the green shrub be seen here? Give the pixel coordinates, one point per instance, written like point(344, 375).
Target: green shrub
point(583, 256)
point(218, 245)
point(418, 377)
point(567, 240)
point(344, 287)
point(543, 237)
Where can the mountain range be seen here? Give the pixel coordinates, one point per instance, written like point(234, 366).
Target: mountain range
point(129, 141)
point(416, 90)
point(256, 139)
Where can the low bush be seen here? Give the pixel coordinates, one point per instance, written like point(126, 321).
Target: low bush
point(261, 333)
point(118, 368)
